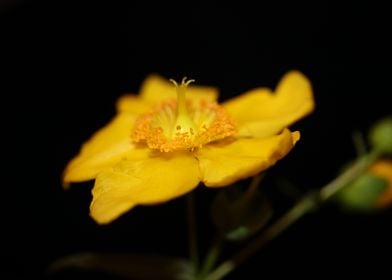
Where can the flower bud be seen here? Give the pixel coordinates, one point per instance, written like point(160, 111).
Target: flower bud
point(370, 191)
point(381, 135)
point(239, 214)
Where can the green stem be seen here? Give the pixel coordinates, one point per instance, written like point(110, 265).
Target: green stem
point(310, 202)
point(211, 258)
point(359, 143)
point(254, 184)
point(192, 231)
point(359, 166)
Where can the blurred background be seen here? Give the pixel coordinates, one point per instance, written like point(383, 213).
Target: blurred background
point(66, 62)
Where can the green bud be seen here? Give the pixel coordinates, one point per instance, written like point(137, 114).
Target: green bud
point(238, 214)
point(362, 194)
point(381, 135)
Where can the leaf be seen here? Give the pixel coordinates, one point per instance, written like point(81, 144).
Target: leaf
point(137, 267)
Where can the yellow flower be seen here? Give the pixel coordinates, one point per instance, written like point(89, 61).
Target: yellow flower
point(160, 146)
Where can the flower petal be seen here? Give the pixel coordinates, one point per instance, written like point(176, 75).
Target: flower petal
point(156, 89)
point(132, 104)
point(223, 164)
point(261, 113)
point(104, 149)
point(149, 180)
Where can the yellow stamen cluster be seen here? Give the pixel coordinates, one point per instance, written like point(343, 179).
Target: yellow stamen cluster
point(182, 124)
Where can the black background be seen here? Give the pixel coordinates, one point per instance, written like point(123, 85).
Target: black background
point(66, 62)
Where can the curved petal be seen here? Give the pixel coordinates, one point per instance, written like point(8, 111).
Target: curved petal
point(132, 104)
point(104, 149)
point(149, 180)
point(223, 164)
point(156, 89)
point(261, 113)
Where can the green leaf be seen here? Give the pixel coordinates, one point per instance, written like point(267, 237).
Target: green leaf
point(240, 214)
point(138, 267)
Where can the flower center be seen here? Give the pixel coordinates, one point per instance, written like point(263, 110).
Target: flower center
point(183, 123)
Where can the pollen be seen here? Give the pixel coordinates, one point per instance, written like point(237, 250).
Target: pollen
point(182, 124)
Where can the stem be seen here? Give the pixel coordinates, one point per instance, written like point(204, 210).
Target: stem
point(310, 202)
point(349, 175)
point(211, 258)
point(254, 184)
point(273, 231)
point(192, 231)
point(359, 143)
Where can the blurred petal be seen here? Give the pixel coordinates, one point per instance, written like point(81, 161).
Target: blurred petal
point(156, 89)
point(104, 149)
point(149, 180)
point(132, 104)
point(261, 113)
point(383, 170)
point(222, 164)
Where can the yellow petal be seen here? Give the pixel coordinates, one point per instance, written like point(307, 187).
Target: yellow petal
point(132, 104)
point(156, 89)
point(261, 113)
point(104, 149)
point(149, 180)
point(223, 164)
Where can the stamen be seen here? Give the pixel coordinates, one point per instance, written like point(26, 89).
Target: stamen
point(182, 124)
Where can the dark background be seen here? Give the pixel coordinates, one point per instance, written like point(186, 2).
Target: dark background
point(66, 62)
